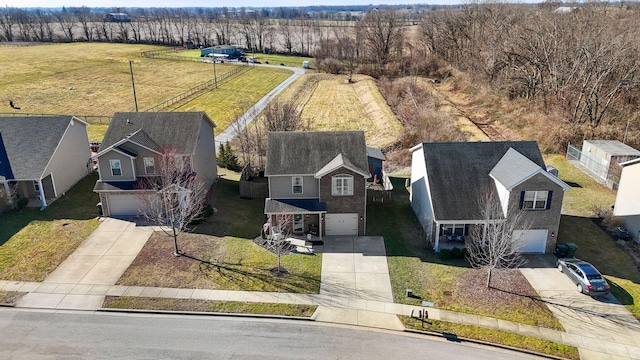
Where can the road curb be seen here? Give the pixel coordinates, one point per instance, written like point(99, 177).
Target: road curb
point(205, 313)
point(455, 338)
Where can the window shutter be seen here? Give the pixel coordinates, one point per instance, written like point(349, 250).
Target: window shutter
point(521, 199)
point(549, 199)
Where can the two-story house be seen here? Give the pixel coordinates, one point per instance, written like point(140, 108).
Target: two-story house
point(132, 145)
point(448, 181)
point(42, 157)
point(319, 178)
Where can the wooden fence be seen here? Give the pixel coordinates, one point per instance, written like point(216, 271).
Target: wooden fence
point(251, 189)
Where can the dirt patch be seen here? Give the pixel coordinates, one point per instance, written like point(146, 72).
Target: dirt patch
point(10, 297)
point(509, 292)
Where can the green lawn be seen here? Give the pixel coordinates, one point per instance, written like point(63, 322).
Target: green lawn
point(222, 254)
point(126, 302)
point(453, 331)
point(451, 285)
point(594, 245)
point(33, 242)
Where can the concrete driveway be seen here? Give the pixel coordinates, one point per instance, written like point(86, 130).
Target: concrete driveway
point(355, 283)
point(82, 279)
point(601, 318)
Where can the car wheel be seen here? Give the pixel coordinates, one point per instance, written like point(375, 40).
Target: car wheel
point(580, 288)
point(559, 267)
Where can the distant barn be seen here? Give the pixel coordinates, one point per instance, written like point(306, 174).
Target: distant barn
point(117, 17)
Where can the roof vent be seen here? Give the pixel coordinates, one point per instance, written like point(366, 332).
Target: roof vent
point(128, 121)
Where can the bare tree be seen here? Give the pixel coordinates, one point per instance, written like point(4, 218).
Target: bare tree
point(282, 116)
point(382, 35)
point(174, 198)
point(7, 19)
point(67, 22)
point(277, 242)
point(494, 243)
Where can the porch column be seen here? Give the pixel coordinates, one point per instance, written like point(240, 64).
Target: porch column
point(42, 198)
point(320, 218)
point(6, 186)
point(436, 246)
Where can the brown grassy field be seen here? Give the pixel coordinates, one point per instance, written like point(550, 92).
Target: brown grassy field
point(328, 102)
point(93, 79)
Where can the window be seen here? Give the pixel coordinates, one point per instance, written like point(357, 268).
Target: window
point(342, 185)
point(535, 200)
point(453, 229)
point(116, 169)
point(296, 184)
point(36, 187)
point(149, 165)
point(298, 223)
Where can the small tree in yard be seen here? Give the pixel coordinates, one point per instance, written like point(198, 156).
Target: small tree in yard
point(173, 199)
point(493, 244)
point(277, 242)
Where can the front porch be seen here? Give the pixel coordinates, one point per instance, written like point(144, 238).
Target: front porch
point(304, 217)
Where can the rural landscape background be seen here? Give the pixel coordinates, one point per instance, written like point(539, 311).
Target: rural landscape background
point(403, 74)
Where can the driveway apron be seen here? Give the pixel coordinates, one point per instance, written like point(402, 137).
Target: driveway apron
point(355, 271)
point(600, 318)
point(81, 280)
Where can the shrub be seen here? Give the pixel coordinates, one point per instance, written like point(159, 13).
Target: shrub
point(444, 254)
point(330, 65)
point(458, 253)
point(22, 203)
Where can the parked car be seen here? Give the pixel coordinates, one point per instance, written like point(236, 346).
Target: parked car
point(587, 278)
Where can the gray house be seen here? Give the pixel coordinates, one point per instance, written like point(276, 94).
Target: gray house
point(133, 142)
point(627, 205)
point(319, 178)
point(41, 157)
point(449, 179)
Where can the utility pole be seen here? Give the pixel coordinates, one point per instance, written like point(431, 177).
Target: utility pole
point(215, 76)
point(133, 84)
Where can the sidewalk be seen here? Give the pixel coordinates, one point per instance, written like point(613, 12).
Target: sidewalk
point(90, 274)
point(360, 312)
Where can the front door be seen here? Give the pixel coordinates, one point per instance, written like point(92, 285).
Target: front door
point(298, 223)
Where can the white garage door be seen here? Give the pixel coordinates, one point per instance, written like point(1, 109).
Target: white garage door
point(533, 241)
point(341, 224)
point(124, 205)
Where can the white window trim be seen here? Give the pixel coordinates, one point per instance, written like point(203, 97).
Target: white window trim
point(153, 164)
point(536, 195)
point(113, 161)
point(294, 184)
point(342, 178)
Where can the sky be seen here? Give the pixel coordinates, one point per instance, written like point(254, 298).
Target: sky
point(206, 3)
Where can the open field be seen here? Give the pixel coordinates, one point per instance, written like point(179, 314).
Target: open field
point(328, 102)
point(223, 254)
point(33, 242)
point(93, 79)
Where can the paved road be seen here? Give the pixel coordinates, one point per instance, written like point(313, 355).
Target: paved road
point(246, 118)
point(51, 335)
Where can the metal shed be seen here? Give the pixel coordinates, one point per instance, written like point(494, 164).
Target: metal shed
point(602, 159)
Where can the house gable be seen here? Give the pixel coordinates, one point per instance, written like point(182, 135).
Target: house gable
point(628, 196)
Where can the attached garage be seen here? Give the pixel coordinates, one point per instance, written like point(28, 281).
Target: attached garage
point(341, 224)
point(124, 205)
point(533, 241)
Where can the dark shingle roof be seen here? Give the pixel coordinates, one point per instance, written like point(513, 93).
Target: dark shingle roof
point(30, 142)
point(458, 173)
point(173, 130)
point(306, 152)
point(293, 206)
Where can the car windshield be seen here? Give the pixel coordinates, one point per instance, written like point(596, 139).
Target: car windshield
point(595, 278)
